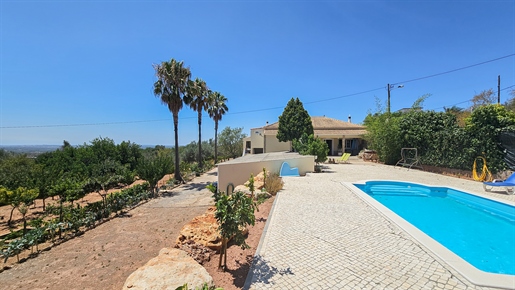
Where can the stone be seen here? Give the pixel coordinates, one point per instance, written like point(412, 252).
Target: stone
point(243, 189)
point(259, 181)
point(171, 269)
point(202, 230)
point(199, 253)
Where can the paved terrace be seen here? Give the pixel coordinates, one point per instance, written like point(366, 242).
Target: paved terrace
point(320, 235)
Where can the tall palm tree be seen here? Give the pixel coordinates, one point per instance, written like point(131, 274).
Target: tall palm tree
point(196, 98)
point(172, 79)
point(216, 109)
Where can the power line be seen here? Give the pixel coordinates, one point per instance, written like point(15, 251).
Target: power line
point(470, 100)
point(266, 109)
point(80, 125)
point(455, 70)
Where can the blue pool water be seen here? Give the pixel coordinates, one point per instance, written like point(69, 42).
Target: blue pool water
point(479, 230)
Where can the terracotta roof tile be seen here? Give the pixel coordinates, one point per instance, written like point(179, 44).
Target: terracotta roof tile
point(323, 126)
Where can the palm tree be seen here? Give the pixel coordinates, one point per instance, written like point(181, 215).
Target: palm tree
point(172, 79)
point(196, 98)
point(216, 109)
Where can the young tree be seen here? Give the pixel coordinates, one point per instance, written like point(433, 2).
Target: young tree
point(106, 175)
point(233, 212)
point(231, 142)
point(172, 78)
point(196, 97)
point(153, 167)
point(21, 196)
point(216, 109)
point(294, 121)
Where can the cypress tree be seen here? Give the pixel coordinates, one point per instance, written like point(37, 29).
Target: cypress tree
point(294, 121)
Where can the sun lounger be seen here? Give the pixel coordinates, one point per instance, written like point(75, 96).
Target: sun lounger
point(409, 158)
point(344, 158)
point(509, 184)
point(286, 170)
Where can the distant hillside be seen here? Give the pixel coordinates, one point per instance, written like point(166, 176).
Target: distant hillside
point(35, 150)
point(31, 150)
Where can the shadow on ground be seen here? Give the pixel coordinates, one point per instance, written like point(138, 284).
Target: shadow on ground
point(198, 186)
point(262, 272)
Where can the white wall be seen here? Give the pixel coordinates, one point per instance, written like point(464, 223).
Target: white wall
point(239, 173)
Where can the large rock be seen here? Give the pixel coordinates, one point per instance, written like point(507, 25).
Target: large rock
point(243, 189)
point(259, 181)
point(171, 269)
point(202, 230)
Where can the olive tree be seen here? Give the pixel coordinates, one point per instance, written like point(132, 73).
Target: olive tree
point(231, 142)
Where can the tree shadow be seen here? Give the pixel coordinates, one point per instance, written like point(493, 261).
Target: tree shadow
point(261, 220)
point(240, 273)
point(167, 193)
point(198, 186)
point(262, 272)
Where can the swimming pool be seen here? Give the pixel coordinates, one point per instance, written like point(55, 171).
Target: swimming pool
point(479, 231)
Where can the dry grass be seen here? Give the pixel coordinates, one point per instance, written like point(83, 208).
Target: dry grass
point(274, 183)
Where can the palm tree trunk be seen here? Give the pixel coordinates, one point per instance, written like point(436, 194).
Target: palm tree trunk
point(177, 174)
point(199, 138)
point(216, 142)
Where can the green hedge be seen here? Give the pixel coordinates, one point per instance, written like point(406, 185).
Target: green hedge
point(439, 140)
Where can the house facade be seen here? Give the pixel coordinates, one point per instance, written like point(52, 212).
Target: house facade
point(340, 137)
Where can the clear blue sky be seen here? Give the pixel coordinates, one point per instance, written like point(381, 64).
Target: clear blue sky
point(90, 62)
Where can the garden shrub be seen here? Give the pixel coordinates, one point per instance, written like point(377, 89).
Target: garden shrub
point(274, 183)
point(438, 137)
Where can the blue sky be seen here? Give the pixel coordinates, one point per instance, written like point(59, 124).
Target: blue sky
point(90, 62)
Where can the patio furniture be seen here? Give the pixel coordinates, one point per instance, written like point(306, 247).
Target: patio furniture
point(286, 170)
point(344, 158)
point(508, 183)
point(409, 158)
point(370, 155)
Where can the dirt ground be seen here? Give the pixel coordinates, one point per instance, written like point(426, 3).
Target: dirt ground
point(238, 260)
point(102, 258)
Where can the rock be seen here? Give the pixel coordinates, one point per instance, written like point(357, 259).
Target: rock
point(171, 269)
point(259, 182)
point(202, 230)
point(243, 189)
point(199, 253)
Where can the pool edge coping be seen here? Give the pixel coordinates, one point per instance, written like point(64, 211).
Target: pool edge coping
point(471, 273)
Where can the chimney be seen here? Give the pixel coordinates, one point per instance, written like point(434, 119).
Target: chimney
point(349, 119)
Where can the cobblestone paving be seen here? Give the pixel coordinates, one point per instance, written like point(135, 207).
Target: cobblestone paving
point(321, 236)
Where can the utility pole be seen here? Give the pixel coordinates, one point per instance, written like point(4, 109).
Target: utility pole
point(499, 89)
point(388, 102)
